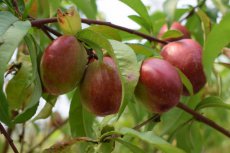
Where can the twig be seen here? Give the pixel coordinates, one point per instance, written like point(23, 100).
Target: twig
point(6, 145)
point(47, 33)
point(154, 117)
point(40, 22)
point(52, 30)
point(47, 136)
point(21, 138)
point(191, 12)
point(203, 119)
point(15, 5)
point(8, 138)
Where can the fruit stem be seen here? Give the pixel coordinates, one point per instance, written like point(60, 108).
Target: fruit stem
point(40, 22)
point(203, 119)
point(8, 138)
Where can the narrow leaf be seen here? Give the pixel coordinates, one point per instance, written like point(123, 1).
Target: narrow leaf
point(153, 139)
point(92, 37)
point(47, 109)
point(6, 19)
point(88, 7)
point(186, 82)
point(170, 9)
point(129, 69)
point(131, 146)
point(26, 115)
point(7, 48)
point(216, 41)
point(30, 110)
point(212, 101)
point(172, 34)
point(142, 49)
point(205, 21)
point(140, 21)
point(139, 7)
point(108, 32)
point(80, 120)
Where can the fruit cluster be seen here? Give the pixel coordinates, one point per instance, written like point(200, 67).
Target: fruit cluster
point(65, 66)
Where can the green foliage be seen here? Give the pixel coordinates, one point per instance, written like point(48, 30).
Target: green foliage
point(170, 8)
point(88, 7)
point(172, 34)
point(216, 41)
point(151, 138)
point(129, 70)
point(80, 120)
point(20, 88)
point(8, 45)
point(141, 10)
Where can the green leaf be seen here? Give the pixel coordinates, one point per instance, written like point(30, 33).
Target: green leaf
point(9, 29)
point(129, 69)
point(219, 4)
point(108, 32)
point(20, 88)
point(7, 19)
point(106, 147)
point(47, 109)
point(139, 7)
point(205, 21)
point(88, 7)
point(212, 101)
point(80, 120)
point(142, 49)
point(170, 9)
point(152, 139)
point(26, 115)
point(91, 37)
point(186, 82)
point(30, 110)
point(140, 21)
point(217, 39)
point(131, 147)
point(192, 134)
point(172, 34)
point(21, 6)
point(54, 5)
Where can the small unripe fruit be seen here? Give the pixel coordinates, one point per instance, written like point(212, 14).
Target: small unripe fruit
point(186, 54)
point(62, 65)
point(159, 86)
point(101, 89)
point(174, 26)
point(69, 22)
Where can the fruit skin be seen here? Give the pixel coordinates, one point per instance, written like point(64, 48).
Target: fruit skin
point(101, 89)
point(174, 26)
point(159, 86)
point(186, 54)
point(62, 65)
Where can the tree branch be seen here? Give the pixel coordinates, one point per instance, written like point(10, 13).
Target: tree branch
point(47, 33)
point(8, 138)
point(52, 30)
point(40, 22)
point(15, 5)
point(47, 136)
point(203, 119)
